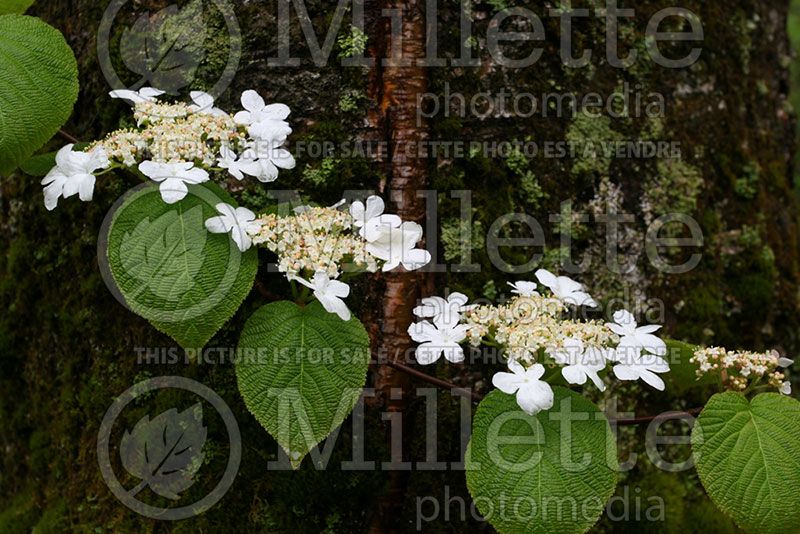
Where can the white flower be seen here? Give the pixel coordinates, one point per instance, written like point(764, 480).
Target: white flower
point(363, 216)
point(145, 94)
point(786, 388)
point(533, 394)
point(581, 363)
point(450, 308)
point(565, 289)
point(204, 103)
point(262, 161)
point(525, 289)
point(265, 122)
point(441, 337)
point(329, 293)
point(634, 366)
point(228, 159)
point(73, 173)
point(783, 363)
point(173, 178)
point(395, 243)
point(635, 336)
point(238, 221)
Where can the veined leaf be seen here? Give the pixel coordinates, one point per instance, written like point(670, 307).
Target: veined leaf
point(38, 87)
point(8, 7)
point(170, 270)
point(552, 472)
point(301, 372)
point(747, 454)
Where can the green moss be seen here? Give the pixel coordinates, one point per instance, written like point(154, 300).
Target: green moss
point(588, 135)
point(352, 44)
point(351, 101)
point(20, 515)
point(746, 186)
point(675, 188)
point(452, 238)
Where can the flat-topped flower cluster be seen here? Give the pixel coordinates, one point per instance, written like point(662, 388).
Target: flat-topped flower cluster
point(178, 144)
point(316, 245)
point(535, 329)
point(739, 370)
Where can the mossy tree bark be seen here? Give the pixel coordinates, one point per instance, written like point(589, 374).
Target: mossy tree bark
point(68, 348)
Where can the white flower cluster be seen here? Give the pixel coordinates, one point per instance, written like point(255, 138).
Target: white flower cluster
point(738, 369)
point(315, 246)
point(178, 144)
point(535, 330)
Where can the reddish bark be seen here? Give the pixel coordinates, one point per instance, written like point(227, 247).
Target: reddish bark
point(396, 85)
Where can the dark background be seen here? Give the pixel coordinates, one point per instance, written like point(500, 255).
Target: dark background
point(67, 347)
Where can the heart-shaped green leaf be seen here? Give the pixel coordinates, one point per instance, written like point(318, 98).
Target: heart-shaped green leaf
point(170, 270)
point(301, 371)
point(38, 87)
point(552, 472)
point(747, 454)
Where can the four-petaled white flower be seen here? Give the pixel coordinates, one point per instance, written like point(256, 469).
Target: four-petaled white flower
point(786, 388)
point(450, 308)
point(365, 216)
point(329, 293)
point(533, 394)
point(73, 174)
point(631, 335)
point(263, 159)
point(204, 103)
point(239, 222)
point(265, 122)
point(565, 289)
point(443, 336)
point(393, 241)
point(173, 178)
point(145, 94)
point(524, 288)
point(580, 362)
point(633, 365)
point(228, 159)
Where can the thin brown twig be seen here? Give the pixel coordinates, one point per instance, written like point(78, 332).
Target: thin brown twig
point(477, 397)
point(68, 136)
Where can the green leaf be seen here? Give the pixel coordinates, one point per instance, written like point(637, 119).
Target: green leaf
point(8, 7)
point(748, 457)
point(682, 374)
point(552, 472)
point(38, 87)
point(300, 372)
point(170, 270)
point(41, 164)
